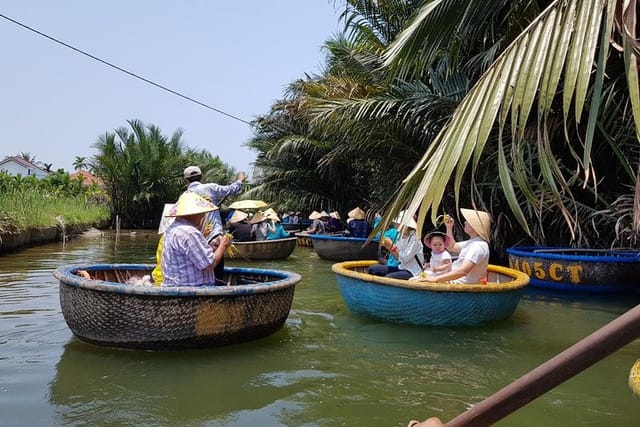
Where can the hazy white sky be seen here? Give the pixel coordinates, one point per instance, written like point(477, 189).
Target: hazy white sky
point(235, 56)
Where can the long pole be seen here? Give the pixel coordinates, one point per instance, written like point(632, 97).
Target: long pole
point(545, 377)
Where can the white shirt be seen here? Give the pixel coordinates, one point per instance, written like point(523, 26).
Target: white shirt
point(475, 250)
point(437, 259)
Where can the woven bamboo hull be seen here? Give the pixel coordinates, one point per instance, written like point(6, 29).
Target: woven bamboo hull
point(407, 302)
point(303, 239)
point(338, 248)
point(264, 249)
point(584, 270)
point(104, 312)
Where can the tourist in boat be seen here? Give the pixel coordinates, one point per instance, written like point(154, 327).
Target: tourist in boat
point(317, 226)
point(440, 261)
point(260, 227)
point(212, 225)
point(275, 229)
point(187, 258)
point(240, 227)
point(357, 225)
point(334, 223)
point(473, 254)
point(407, 252)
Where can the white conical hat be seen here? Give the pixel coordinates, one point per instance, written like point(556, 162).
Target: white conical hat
point(238, 216)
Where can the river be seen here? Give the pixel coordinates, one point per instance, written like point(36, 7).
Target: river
point(325, 367)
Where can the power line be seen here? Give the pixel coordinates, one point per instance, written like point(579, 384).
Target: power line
point(95, 58)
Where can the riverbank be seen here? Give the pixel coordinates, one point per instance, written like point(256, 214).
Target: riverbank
point(28, 218)
point(16, 240)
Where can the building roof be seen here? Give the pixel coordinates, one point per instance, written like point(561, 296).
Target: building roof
point(87, 178)
point(24, 163)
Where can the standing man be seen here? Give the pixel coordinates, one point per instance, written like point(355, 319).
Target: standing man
point(214, 193)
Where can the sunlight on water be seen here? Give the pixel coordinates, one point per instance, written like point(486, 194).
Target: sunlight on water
point(325, 367)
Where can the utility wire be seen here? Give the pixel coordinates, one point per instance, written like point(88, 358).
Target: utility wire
point(188, 98)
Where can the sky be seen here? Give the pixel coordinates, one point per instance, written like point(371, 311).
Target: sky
point(237, 57)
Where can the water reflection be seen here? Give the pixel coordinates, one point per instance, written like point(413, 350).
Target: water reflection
point(325, 367)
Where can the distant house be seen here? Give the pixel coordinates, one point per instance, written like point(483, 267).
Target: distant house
point(87, 178)
point(18, 166)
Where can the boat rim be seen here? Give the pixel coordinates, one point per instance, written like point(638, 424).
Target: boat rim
point(518, 279)
point(340, 238)
point(552, 253)
point(66, 275)
point(253, 242)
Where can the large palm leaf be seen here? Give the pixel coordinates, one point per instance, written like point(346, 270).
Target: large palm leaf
point(561, 42)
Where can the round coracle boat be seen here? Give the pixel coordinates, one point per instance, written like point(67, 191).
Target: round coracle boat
point(420, 303)
point(340, 248)
point(590, 270)
point(101, 306)
point(263, 249)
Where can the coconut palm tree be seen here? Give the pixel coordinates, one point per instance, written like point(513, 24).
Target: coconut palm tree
point(549, 81)
point(307, 155)
point(141, 170)
point(79, 163)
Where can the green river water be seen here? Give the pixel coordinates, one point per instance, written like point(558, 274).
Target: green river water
point(325, 367)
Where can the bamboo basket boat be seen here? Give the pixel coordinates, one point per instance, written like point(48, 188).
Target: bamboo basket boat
point(411, 302)
point(104, 310)
point(263, 249)
point(340, 248)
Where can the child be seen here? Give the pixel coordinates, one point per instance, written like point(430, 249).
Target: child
point(440, 261)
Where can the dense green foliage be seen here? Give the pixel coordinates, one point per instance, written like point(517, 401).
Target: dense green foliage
point(427, 104)
point(30, 202)
point(142, 170)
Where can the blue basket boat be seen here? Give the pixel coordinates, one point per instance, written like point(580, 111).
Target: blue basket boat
point(571, 269)
point(409, 302)
point(104, 310)
point(339, 248)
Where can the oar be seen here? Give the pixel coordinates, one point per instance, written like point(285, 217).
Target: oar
point(545, 377)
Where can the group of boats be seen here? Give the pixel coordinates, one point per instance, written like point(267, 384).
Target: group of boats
point(100, 306)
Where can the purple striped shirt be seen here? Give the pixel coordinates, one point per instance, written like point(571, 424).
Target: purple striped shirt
point(185, 255)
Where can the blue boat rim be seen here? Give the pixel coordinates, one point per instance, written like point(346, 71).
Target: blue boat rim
point(556, 253)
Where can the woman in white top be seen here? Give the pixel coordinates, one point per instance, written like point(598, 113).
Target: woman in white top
point(407, 249)
point(473, 258)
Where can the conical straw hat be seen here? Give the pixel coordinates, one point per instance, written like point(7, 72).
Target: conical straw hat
point(314, 215)
point(480, 221)
point(191, 203)
point(271, 214)
point(258, 217)
point(356, 213)
point(409, 222)
point(238, 216)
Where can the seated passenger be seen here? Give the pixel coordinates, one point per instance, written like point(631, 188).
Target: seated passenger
point(317, 226)
point(357, 225)
point(240, 227)
point(473, 259)
point(276, 230)
point(260, 228)
point(187, 259)
point(407, 251)
point(440, 261)
point(334, 224)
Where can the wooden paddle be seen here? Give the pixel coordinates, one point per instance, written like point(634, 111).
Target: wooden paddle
point(553, 372)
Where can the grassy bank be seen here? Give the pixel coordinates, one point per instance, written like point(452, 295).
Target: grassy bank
point(27, 209)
